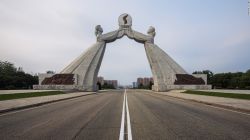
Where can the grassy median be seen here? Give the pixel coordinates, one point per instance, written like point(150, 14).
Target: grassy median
point(28, 95)
point(219, 94)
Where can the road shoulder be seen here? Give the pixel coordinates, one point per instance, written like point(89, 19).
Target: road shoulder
point(17, 104)
point(227, 103)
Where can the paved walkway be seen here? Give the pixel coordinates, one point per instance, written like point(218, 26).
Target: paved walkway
point(236, 104)
point(33, 101)
point(21, 91)
point(228, 91)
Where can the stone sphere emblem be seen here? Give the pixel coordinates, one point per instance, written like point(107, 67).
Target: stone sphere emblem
point(125, 20)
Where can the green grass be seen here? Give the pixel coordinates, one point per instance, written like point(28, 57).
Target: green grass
point(219, 94)
point(28, 95)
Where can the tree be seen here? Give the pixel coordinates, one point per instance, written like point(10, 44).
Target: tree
point(50, 72)
point(237, 80)
point(7, 68)
point(140, 86)
point(99, 85)
point(245, 80)
point(151, 84)
point(13, 78)
point(108, 86)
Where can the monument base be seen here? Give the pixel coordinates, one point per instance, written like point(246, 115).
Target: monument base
point(180, 87)
point(62, 87)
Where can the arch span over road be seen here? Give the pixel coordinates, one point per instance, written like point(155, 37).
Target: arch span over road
point(167, 74)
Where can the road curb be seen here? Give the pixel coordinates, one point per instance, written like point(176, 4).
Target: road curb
point(40, 104)
point(209, 103)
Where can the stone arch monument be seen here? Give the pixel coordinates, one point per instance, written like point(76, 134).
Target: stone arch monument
point(82, 73)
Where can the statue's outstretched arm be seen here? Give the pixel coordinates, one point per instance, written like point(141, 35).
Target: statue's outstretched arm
point(111, 36)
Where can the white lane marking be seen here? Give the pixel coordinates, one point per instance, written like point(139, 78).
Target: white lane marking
point(125, 112)
point(121, 137)
point(128, 119)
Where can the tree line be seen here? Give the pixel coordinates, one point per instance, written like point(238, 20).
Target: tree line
point(149, 86)
point(230, 80)
point(104, 86)
point(15, 78)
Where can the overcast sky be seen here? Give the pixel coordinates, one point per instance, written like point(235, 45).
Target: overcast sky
point(41, 35)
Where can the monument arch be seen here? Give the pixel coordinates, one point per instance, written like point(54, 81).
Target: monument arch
point(82, 73)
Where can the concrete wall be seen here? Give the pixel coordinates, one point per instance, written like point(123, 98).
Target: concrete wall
point(186, 87)
point(42, 76)
point(203, 76)
point(56, 87)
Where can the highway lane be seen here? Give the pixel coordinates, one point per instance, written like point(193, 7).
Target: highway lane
point(159, 117)
point(98, 117)
point(92, 117)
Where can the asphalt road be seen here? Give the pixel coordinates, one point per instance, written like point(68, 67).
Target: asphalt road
point(98, 117)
